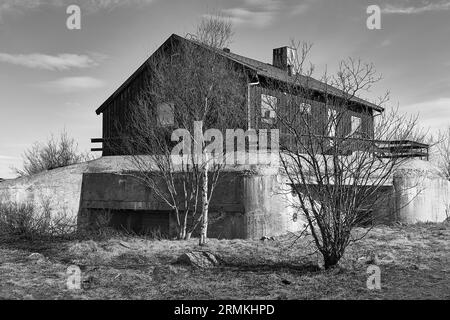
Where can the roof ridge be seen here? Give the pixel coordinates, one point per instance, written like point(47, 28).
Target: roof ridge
point(264, 69)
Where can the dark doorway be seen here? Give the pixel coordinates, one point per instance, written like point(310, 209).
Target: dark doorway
point(141, 222)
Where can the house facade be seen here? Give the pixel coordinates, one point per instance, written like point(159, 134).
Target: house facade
point(269, 88)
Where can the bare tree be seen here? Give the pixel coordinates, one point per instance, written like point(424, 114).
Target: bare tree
point(333, 149)
point(443, 152)
point(215, 30)
point(54, 153)
point(191, 89)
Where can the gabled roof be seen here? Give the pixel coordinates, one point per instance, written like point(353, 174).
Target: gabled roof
point(261, 68)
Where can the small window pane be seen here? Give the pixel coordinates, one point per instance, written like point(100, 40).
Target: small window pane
point(356, 125)
point(268, 108)
point(305, 108)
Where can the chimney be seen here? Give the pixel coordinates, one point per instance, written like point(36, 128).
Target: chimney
point(285, 59)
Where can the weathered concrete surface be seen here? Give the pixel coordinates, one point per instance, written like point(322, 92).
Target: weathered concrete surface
point(246, 204)
point(60, 188)
point(422, 195)
point(249, 202)
point(268, 207)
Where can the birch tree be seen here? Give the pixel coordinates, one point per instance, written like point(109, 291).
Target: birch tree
point(198, 89)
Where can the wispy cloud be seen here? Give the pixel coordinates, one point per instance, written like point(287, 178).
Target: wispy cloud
point(411, 9)
point(59, 62)
point(10, 6)
point(72, 84)
point(434, 113)
point(96, 5)
point(254, 18)
point(262, 13)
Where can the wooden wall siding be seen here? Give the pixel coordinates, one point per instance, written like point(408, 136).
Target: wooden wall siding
point(118, 111)
point(319, 113)
point(115, 116)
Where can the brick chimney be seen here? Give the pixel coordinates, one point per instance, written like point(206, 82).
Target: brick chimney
point(285, 58)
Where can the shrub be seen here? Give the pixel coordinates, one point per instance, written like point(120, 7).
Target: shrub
point(25, 221)
point(55, 153)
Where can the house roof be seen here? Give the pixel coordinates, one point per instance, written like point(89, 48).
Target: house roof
point(261, 68)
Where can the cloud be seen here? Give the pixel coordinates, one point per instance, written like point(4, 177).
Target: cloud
point(258, 19)
point(428, 7)
point(300, 8)
point(434, 114)
point(262, 13)
point(72, 84)
point(96, 5)
point(17, 6)
point(59, 62)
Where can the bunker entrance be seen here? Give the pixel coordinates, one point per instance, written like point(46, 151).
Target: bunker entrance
point(141, 222)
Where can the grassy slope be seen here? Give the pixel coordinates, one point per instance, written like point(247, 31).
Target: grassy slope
point(131, 268)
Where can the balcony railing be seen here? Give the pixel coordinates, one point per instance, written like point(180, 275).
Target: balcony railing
point(382, 148)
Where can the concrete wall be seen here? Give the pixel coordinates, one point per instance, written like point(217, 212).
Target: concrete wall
point(249, 202)
point(267, 201)
point(422, 195)
point(58, 189)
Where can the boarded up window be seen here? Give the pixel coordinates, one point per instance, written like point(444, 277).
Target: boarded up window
point(268, 108)
point(165, 114)
point(355, 126)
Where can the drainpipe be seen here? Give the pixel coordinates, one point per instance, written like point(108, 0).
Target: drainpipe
point(249, 117)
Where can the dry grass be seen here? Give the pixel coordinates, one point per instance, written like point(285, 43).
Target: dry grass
point(133, 268)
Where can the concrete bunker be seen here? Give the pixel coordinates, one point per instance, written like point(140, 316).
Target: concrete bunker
point(250, 203)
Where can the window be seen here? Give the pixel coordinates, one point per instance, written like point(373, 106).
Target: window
point(165, 114)
point(268, 108)
point(332, 122)
point(305, 108)
point(355, 126)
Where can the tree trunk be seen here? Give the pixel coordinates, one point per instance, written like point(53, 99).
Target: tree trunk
point(205, 206)
point(185, 225)
point(330, 260)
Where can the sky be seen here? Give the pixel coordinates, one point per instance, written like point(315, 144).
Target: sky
point(53, 79)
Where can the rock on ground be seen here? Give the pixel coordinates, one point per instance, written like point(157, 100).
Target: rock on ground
point(199, 259)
